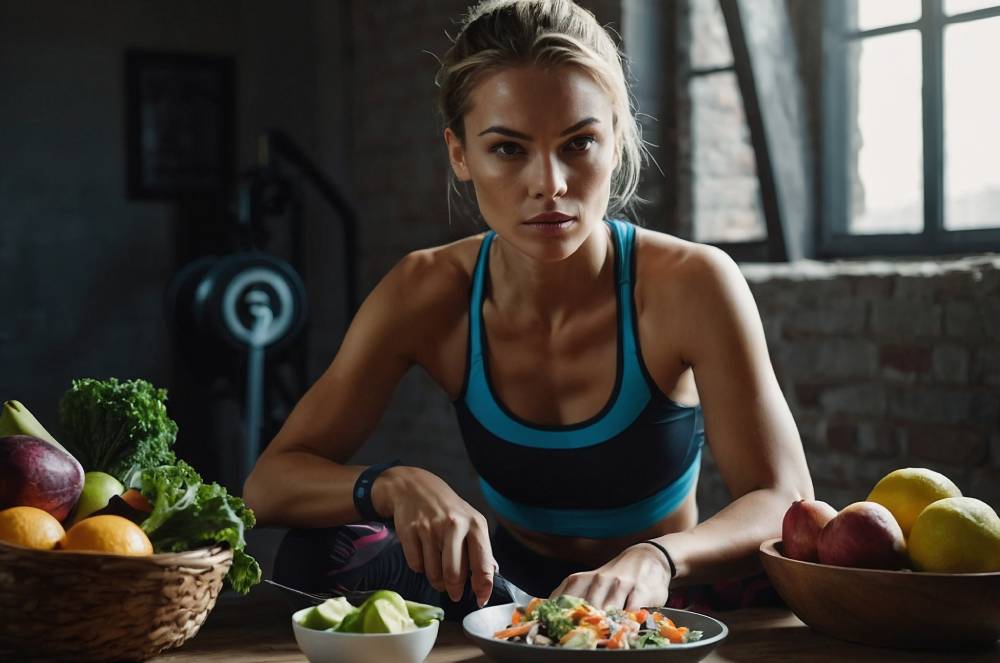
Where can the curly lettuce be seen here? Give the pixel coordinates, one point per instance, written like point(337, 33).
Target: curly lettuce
point(188, 513)
point(118, 427)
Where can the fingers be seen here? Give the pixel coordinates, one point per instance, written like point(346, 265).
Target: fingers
point(432, 560)
point(412, 549)
point(601, 589)
point(454, 565)
point(482, 565)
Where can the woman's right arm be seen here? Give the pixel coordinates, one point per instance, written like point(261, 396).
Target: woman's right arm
point(300, 480)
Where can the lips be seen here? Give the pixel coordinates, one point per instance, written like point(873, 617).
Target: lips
point(550, 217)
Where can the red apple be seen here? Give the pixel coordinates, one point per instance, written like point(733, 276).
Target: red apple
point(36, 473)
point(801, 526)
point(865, 535)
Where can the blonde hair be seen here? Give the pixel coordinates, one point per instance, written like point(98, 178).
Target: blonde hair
point(496, 34)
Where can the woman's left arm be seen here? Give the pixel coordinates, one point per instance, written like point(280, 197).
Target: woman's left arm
point(749, 428)
point(748, 425)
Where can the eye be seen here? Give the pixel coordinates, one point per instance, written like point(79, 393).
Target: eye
point(581, 143)
point(506, 149)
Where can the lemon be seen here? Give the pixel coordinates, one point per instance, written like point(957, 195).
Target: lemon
point(30, 527)
point(956, 535)
point(907, 492)
point(108, 534)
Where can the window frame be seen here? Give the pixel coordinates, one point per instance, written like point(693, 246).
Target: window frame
point(839, 105)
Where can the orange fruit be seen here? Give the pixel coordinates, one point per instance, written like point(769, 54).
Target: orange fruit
point(136, 500)
point(108, 534)
point(30, 527)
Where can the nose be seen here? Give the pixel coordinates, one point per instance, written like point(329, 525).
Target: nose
point(548, 178)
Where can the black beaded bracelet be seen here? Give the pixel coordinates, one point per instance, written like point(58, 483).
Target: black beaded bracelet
point(670, 561)
point(363, 489)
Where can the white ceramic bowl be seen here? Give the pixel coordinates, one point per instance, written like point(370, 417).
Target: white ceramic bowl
point(332, 647)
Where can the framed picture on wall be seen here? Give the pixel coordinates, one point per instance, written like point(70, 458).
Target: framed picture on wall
point(180, 124)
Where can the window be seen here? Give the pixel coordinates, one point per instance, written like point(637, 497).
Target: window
point(911, 127)
point(725, 196)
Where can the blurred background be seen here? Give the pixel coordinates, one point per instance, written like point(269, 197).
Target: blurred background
point(199, 194)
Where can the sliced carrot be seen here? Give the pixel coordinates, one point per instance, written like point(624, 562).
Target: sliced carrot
point(579, 612)
point(514, 631)
point(640, 615)
point(532, 604)
point(658, 617)
point(516, 618)
point(671, 633)
point(592, 619)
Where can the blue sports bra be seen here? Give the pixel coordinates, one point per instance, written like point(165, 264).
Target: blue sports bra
point(619, 472)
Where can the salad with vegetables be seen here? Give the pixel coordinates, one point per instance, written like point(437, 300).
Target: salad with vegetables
point(572, 623)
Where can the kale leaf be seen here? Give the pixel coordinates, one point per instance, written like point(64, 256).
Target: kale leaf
point(188, 513)
point(118, 427)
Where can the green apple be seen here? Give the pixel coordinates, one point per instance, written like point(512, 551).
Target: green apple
point(328, 614)
point(385, 612)
point(423, 614)
point(98, 489)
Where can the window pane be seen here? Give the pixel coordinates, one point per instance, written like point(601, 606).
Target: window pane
point(879, 13)
point(952, 7)
point(886, 156)
point(726, 205)
point(709, 38)
point(972, 126)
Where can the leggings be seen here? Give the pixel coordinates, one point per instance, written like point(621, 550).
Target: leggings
point(364, 556)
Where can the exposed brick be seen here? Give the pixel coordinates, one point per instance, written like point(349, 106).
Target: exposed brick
point(858, 399)
point(842, 437)
point(831, 358)
point(905, 358)
point(878, 439)
point(932, 405)
point(950, 364)
point(872, 287)
point(964, 320)
point(947, 445)
point(807, 394)
point(983, 485)
point(838, 317)
point(905, 319)
point(986, 365)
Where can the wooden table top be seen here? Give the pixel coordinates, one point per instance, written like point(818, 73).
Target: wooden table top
point(257, 629)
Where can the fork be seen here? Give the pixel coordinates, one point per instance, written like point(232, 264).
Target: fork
point(521, 597)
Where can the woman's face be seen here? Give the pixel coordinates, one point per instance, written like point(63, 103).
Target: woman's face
point(537, 142)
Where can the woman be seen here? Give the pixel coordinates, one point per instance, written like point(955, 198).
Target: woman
point(587, 360)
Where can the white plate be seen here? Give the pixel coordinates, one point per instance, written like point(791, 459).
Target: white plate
point(482, 624)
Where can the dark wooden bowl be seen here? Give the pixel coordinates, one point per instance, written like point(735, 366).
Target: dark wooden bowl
point(900, 609)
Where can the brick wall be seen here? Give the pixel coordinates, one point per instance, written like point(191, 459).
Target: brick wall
point(888, 365)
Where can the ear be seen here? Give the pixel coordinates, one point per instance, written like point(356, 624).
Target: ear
point(456, 154)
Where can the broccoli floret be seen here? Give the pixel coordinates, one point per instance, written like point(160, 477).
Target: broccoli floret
point(554, 619)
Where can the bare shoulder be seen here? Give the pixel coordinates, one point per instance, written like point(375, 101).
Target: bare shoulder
point(426, 292)
point(675, 267)
point(687, 287)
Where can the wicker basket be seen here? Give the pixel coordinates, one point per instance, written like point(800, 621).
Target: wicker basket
point(79, 606)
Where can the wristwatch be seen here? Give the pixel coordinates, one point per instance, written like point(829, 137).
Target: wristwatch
point(363, 489)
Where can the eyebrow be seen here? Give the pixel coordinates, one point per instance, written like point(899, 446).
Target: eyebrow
point(523, 136)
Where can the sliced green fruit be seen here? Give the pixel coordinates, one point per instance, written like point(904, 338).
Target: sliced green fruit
point(423, 614)
point(351, 623)
point(333, 611)
point(386, 616)
point(312, 619)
